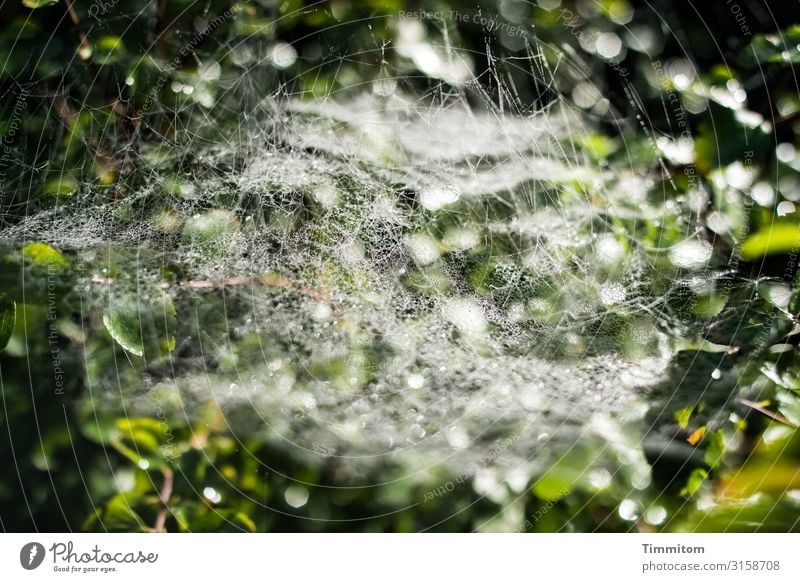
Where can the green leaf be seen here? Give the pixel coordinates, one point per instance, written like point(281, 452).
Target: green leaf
point(771, 468)
point(109, 50)
point(765, 514)
point(43, 255)
point(147, 442)
point(34, 4)
point(116, 515)
point(598, 146)
point(8, 316)
point(122, 322)
point(789, 406)
point(721, 143)
point(683, 416)
point(748, 320)
point(143, 326)
point(780, 238)
point(716, 449)
point(694, 482)
point(60, 187)
point(563, 476)
point(773, 48)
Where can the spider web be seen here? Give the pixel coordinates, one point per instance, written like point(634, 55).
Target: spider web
point(386, 274)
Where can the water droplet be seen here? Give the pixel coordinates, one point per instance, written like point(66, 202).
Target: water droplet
point(600, 478)
point(212, 495)
point(415, 381)
point(655, 515)
point(629, 510)
point(691, 254)
point(612, 293)
point(283, 55)
point(417, 431)
point(296, 496)
point(438, 197)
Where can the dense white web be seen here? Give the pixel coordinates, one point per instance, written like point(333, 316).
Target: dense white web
point(383, 274)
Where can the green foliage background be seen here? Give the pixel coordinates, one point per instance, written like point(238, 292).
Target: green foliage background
point(88, 88)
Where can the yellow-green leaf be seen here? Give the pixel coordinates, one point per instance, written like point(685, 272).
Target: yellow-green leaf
point(34, 4)
point(43, 255)
point(777, 239)
point(694, 482)
point(683, 416)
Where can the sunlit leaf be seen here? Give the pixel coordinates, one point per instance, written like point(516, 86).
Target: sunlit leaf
point(780, 238)
point(43, 255)
point(34, 4)
point(695, 481)
point(715, 450)
point(109, 50)
point(762, 515)
point(683, 416)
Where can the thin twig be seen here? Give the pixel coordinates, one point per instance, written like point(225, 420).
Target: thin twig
point(164, 496)
point(776, 416)
point(76, 21)
point(268, 280)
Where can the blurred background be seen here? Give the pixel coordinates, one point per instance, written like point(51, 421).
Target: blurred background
point(702, 96)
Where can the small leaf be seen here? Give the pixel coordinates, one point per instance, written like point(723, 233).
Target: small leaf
point(144, 441)
point(34, 4)
point(552, 486)
point(8, 316)
point(694, 482)
point(109, 50)
point(60, 187)
point(143, 325)
point(683, 416)
point(598, 146)
point(716, 449)
point(122, 322)
point(695, 437)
